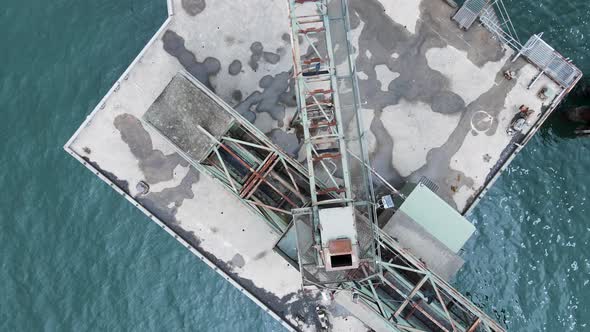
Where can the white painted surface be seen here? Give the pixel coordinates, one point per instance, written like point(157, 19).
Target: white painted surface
point(404, 12)
point(415, 130)
point(467, 80)
point(178, 174)
point(227, 229)
point(367, 116)
point(385, 76)
point(219, 234)
point(337, 223)
point(265, 122)
point(355, 35)
point(470, 160)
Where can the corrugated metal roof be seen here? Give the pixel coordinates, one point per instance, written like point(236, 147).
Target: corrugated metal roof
point(438, 218)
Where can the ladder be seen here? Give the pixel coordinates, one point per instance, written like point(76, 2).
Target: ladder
point(318, 103)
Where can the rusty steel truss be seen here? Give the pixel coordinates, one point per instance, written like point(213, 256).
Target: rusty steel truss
point(392, 282)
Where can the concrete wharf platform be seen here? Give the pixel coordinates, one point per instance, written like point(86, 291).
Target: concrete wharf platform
point(435, 105)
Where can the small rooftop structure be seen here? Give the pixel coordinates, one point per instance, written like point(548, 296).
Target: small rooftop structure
point(339, 238)
point(437, 217)
point(432, 230)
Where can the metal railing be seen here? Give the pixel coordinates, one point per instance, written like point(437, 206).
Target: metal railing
point(550, 62)
point(493, 15)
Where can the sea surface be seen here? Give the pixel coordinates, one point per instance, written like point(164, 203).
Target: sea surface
point(74, 256)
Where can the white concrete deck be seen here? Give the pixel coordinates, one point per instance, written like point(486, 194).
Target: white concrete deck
point(435, 100)
point(197, 211)
point(424, 84)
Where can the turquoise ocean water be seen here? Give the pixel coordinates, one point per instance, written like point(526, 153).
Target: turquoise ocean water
point(74, 256)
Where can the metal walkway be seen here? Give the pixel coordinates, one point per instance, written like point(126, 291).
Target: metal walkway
point(339, 177)
point(410, 297)
point(318, 99)
point(494, 17)
point(469, 12)
point(550, 62)
point(232, 151)
point(391, 281)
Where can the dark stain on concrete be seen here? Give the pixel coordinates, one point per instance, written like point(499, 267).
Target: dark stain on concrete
point(257, 49)
point(446, 102)
point(288, 141)
point(266, 81)
point(272, 99)
point(237, 95)
point(235, 67)
point(238, 261)
point(122, 184)
point(165, 203)
point(156, 166)
point(286, 37)
point(174, 45)
point(271, 58)
point(245, 107)
point(260, 255)
point(382, 156)
point(193, 7)
point(230, 40)
point(383, 37)
point(258, 54)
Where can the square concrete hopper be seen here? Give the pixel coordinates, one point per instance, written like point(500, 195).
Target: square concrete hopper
point(339, 238)
point(184, 105)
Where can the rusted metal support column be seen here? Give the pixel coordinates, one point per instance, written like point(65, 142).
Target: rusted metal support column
point(409, 297)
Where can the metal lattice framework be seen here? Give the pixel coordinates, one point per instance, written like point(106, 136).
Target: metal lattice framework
point(493, 15)
point(410, 297)
point(399, 287)
point(335, 154)
point(250, 166)
point(390, 280)
point(550, 62)
point(319, 102)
